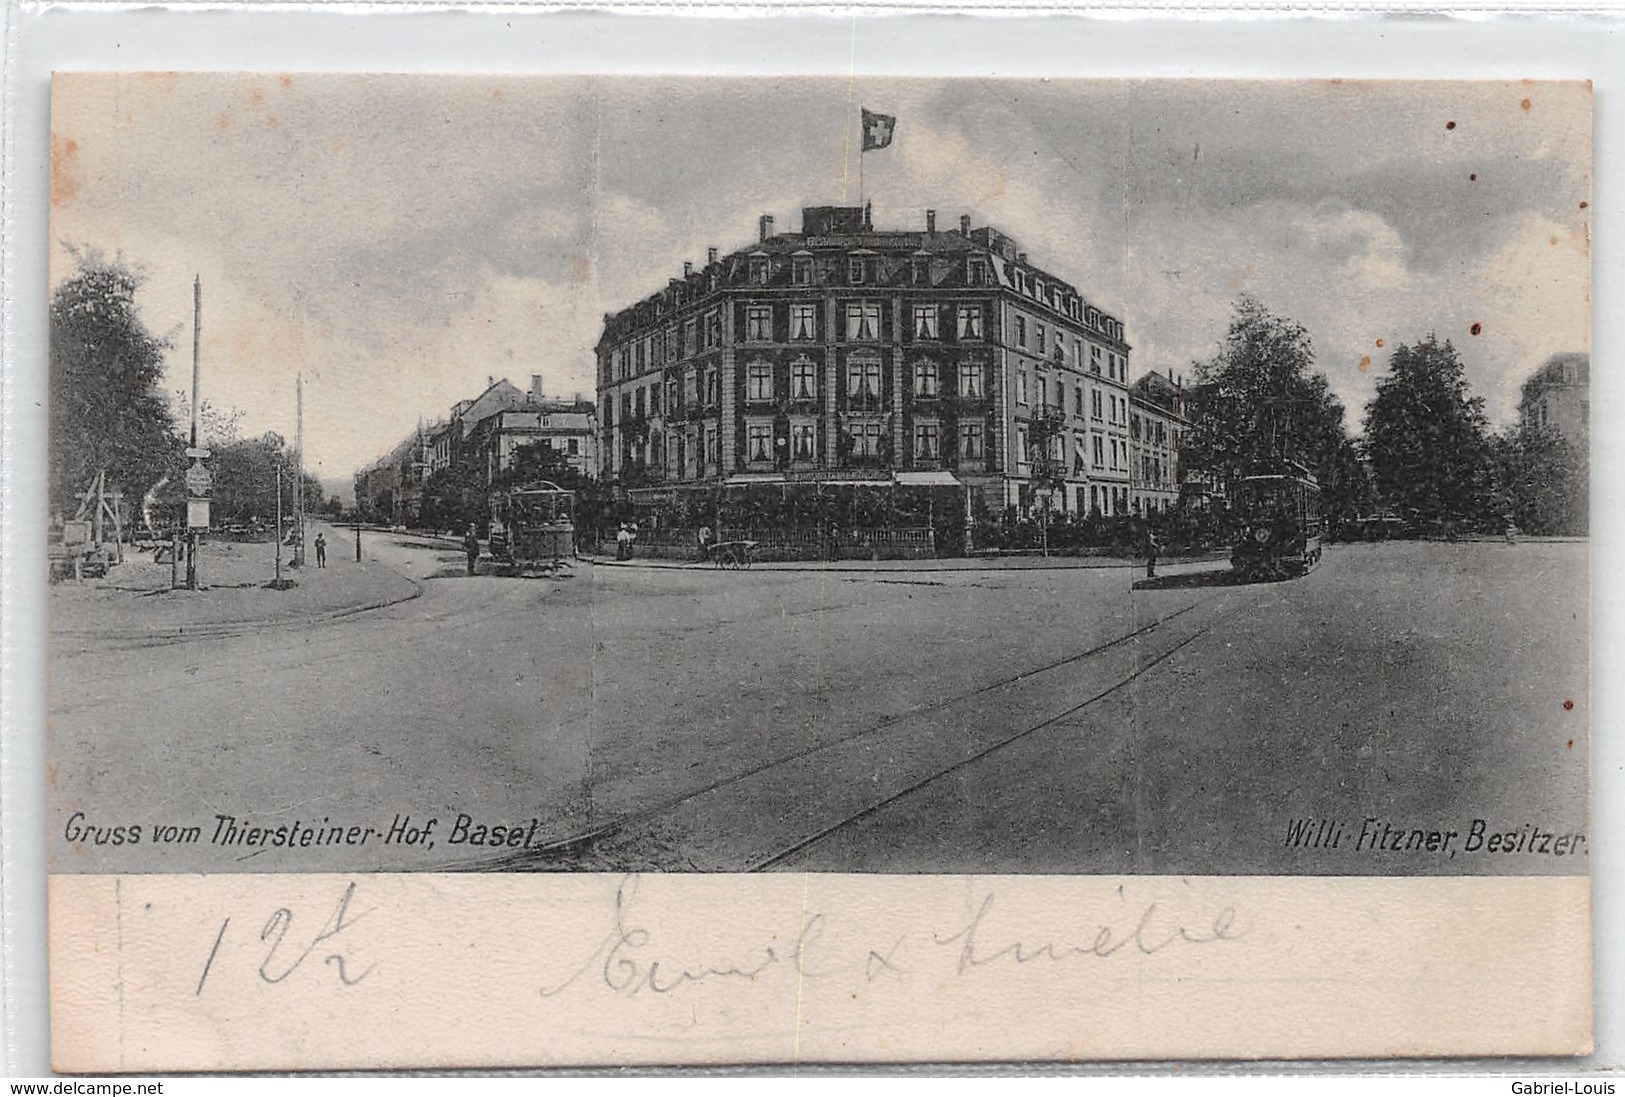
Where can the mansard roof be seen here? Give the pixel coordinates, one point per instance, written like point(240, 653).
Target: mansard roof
point(985, 257)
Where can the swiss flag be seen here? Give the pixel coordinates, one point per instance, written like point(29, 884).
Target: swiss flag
point(877, 129)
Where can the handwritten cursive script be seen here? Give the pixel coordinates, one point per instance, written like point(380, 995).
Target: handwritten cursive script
point(622, 966)
point(630, 959)
point(1149, 935)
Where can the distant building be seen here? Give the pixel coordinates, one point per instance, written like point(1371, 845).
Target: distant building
point(484, 434)
point(566, 428)
point(1558, 396)
point(391, 488)
point(841, 353)
point(1157, 426)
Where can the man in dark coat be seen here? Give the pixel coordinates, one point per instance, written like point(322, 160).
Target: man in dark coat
point(471, 546)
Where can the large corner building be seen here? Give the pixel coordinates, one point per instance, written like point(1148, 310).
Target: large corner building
point(844, 353)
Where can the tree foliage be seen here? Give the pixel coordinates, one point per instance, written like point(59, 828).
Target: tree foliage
point(537, 462)
point(455, 497)
point(107, 410)
point(245, 480)
point(1427, 438)
point(216, 427)
point(1543, 483)
point(1259, 402)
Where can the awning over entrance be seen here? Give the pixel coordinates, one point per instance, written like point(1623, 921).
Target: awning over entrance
point(935, 479)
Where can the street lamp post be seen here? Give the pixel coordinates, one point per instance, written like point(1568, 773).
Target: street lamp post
point(279, 526)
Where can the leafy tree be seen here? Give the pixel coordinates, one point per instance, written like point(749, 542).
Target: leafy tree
point(245, 480)
point(1045, 429)
point(1542, 481)
point(107, 410)
point(454, 497)
point(215, 427)
point(1427, 439)
point(1259, 403)
point(536, 462)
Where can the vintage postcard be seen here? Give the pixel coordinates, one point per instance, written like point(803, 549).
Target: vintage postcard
point(765, 570)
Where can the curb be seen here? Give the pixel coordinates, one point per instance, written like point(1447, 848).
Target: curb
point(868, 569)
point(235, 628)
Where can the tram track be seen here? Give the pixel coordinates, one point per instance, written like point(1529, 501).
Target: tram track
point(779, 857)
point(747, 807)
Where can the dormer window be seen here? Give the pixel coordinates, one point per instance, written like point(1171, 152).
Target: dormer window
point(855, 272)
point(976, 271)
point(801, 271)
point(920, 270)
point(759, 270)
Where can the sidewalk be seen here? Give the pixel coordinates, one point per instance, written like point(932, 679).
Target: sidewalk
point(974, 563)
point(134, 600)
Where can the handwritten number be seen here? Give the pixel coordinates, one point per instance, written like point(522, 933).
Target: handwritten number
point(338, 961)
point(221, 936)
point(279, 923)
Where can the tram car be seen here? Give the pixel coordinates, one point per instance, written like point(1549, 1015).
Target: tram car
point(1277, 524)
point(534, 527)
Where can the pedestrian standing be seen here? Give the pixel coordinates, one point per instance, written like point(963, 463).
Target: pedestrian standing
point(321, 550)
point(471, 546)
point(705, 542)
point(623, 543)
point(1152, 549)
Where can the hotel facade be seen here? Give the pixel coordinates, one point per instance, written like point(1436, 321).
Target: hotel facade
point(845, 354)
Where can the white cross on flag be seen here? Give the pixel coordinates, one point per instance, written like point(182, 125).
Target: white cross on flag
point(877, 129)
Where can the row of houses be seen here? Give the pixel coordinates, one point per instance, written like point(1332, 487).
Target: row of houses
point(482, 436)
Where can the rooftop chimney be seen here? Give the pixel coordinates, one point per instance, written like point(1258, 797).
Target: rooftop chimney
point(710, 256)
point(964, 224)
point(1021, 257)
point(931, 221)
point(536, 387)
point(688, 267)
point(766, 226)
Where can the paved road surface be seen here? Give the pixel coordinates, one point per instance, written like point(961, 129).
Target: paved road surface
point(985, 720)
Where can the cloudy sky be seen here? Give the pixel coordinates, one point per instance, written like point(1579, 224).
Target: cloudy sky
point(401, 239)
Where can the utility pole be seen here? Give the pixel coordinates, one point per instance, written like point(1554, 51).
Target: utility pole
point(197, 476)
point(299, 471)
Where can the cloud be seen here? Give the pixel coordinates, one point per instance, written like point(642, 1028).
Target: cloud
point(400, 239)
